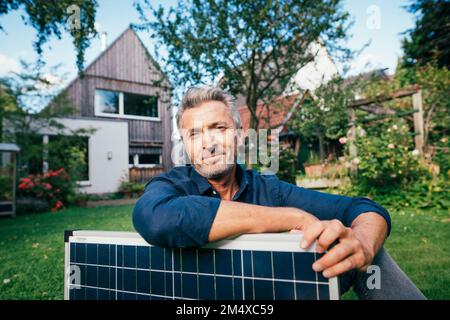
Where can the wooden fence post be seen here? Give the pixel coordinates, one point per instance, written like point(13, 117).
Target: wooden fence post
point(352, 139)
point(418, 121)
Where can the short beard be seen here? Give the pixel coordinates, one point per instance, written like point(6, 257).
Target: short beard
point(216, 173)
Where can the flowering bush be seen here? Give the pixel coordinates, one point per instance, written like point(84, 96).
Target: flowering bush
point(387, 157)
point(52, 188)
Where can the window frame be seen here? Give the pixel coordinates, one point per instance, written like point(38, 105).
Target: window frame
point(121, 113)
point(136, 163)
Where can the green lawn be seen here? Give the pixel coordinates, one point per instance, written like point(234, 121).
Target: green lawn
point(32, 248)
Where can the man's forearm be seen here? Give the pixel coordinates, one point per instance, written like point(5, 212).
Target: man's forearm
point(371, 230)
point(234, 218)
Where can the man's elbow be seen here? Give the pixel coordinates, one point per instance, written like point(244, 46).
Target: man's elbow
point(149, 226)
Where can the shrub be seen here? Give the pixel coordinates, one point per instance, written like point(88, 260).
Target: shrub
point(131, 189)
point(5, 188)
point(387, 158)
point(287, 171)
point(54, 188)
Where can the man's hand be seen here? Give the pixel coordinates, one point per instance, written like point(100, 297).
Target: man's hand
point(356, 246)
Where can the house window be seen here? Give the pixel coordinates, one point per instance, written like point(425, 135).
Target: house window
point(145, 157)
point(107, 101)
point(149, 159)
point(140, 105)
point(125, 105)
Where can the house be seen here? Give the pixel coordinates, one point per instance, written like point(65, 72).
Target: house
point(125, 97)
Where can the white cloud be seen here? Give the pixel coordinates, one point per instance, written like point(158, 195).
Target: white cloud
point(8, 64)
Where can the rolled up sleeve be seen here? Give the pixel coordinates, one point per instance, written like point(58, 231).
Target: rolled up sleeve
point(327, 206)
point(164, 216)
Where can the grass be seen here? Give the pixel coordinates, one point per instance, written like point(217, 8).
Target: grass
point(32, 248)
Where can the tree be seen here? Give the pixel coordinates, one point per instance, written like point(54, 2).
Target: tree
point(26, 116)
point(50, 18)
point(254, 47)
point(429, 39)
point(8, 103)
point(325, 117)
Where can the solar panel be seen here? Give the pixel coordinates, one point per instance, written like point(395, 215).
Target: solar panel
point(122, 265)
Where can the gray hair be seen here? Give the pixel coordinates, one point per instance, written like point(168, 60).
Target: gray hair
point(197, 95)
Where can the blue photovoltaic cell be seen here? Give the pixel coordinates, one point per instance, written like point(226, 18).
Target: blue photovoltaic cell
point(222, 260)
point(262, 264)
point(111, 271)
point(189, 286)
point(282, 265)
point(206, 261)
point(206, 287)
point(189, 260)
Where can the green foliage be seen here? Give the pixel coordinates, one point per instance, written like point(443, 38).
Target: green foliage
point(255, 46)
point(50, 190)
point(429, 38)
point(31, 90)
point(286, 170)
point(5, 188)
point(70, 152)
point(386, 156)
point(50, 19)
point(131, 189)
point(422, 194)
point(313, 158)
point(326, 114)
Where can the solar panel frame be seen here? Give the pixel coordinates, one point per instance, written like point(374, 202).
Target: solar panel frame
point(261, 247)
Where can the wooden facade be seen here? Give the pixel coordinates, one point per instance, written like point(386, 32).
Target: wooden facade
point(126, 66)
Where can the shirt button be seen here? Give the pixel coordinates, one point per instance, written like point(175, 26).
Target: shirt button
point(214, 192)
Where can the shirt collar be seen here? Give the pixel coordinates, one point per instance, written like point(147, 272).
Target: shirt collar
point(204, 186)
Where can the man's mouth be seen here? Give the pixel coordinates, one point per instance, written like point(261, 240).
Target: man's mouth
point(214, 156)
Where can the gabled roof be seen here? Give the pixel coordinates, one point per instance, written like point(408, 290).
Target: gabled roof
point(277, 114)
point(127, 59)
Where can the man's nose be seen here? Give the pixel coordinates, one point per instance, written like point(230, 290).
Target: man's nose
point(208, 139)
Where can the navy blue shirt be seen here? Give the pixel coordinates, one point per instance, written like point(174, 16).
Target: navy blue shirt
point(178, 207)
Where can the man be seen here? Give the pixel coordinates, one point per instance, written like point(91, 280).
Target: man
point(216, 198)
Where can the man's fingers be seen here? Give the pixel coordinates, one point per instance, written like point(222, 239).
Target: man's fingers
point(311, 233)
point(333, 231)
point(352, 262)
point(332, 257)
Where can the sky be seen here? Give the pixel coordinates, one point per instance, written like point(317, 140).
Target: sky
point(380, 22)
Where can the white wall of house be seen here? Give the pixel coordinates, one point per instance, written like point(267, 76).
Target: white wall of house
point(317, 72)
point(108, 153)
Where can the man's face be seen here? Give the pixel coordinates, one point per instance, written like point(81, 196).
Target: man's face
point(209, 136)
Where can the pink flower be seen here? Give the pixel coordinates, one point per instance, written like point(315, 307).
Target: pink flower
point(47, 186)
point(343, 140)
point(58, 205)
point(391, 146)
